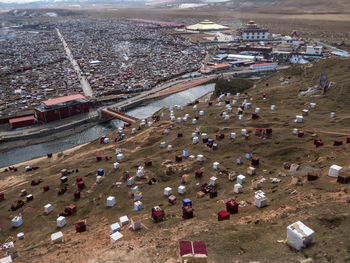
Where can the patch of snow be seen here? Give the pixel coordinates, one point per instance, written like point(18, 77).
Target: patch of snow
point(216, 1)
point(191, 5)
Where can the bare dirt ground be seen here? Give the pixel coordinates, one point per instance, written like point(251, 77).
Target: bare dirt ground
point(251, 235)
point(330, 26)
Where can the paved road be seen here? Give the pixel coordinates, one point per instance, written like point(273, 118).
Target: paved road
point(85, 85)
point(143, 95)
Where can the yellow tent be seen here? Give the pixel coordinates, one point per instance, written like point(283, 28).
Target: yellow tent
point(207, 25)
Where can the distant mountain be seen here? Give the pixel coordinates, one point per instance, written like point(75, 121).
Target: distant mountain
point(288, 6)
point(5, 4)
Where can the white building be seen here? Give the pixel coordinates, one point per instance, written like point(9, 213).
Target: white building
point(299, 235)
point(252, 32)
point(287, 40)
point(314, 50)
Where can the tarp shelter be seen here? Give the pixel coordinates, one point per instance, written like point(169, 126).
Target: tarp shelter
point(115, 237)
point(299, 235)
point(57, 237)
point(334, 170)
point(193, 252)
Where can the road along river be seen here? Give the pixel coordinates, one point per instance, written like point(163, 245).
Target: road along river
point(29, 152)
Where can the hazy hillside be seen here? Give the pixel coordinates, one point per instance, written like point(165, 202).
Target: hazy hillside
point(288, 6)
point(265, 6)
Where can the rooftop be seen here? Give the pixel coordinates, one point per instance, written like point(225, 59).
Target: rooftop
point(20, 119)
point(64, 99)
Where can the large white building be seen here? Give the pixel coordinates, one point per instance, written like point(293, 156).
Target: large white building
point(207, 25)
point(252, 32)
point(314, 50)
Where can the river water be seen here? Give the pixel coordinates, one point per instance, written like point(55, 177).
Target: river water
point(29, 152)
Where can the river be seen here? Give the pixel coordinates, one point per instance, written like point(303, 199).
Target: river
point(29, 152)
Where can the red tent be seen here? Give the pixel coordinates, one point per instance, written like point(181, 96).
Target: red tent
point(72, 209)
point(223, 215)
point(312, 177)
point(76, 194)
point(213, 193)
point(80, 226)
point(232, 207)
point(255, 161)
point(81, 185)
point(343, 178)
point(255, 116)
point(178, 158)
point(318, 143)
point(148, 162)
point(195, 251)
point(157, 214)
point(198, 173)
point(338, 142)
point(187, 212)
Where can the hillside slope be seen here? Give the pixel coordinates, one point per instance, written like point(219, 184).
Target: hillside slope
point(253, 234)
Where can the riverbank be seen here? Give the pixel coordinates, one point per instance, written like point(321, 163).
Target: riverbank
point(63, 134)
point(36, 160)
point(43, 133)
point(6, 146)
point(28, 149)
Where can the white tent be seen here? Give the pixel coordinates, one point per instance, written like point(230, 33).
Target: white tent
point(207, 25)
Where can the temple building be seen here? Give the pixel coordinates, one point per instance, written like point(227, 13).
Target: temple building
point(62, 107)
point(252, 32)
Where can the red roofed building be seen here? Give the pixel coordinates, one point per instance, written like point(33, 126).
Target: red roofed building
point(62, 107)
point(22, 122)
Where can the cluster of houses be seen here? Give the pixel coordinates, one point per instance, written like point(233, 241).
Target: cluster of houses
point(254, 47)
point(116, 57)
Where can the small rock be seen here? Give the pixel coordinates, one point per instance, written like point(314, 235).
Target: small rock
point(275, 180)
